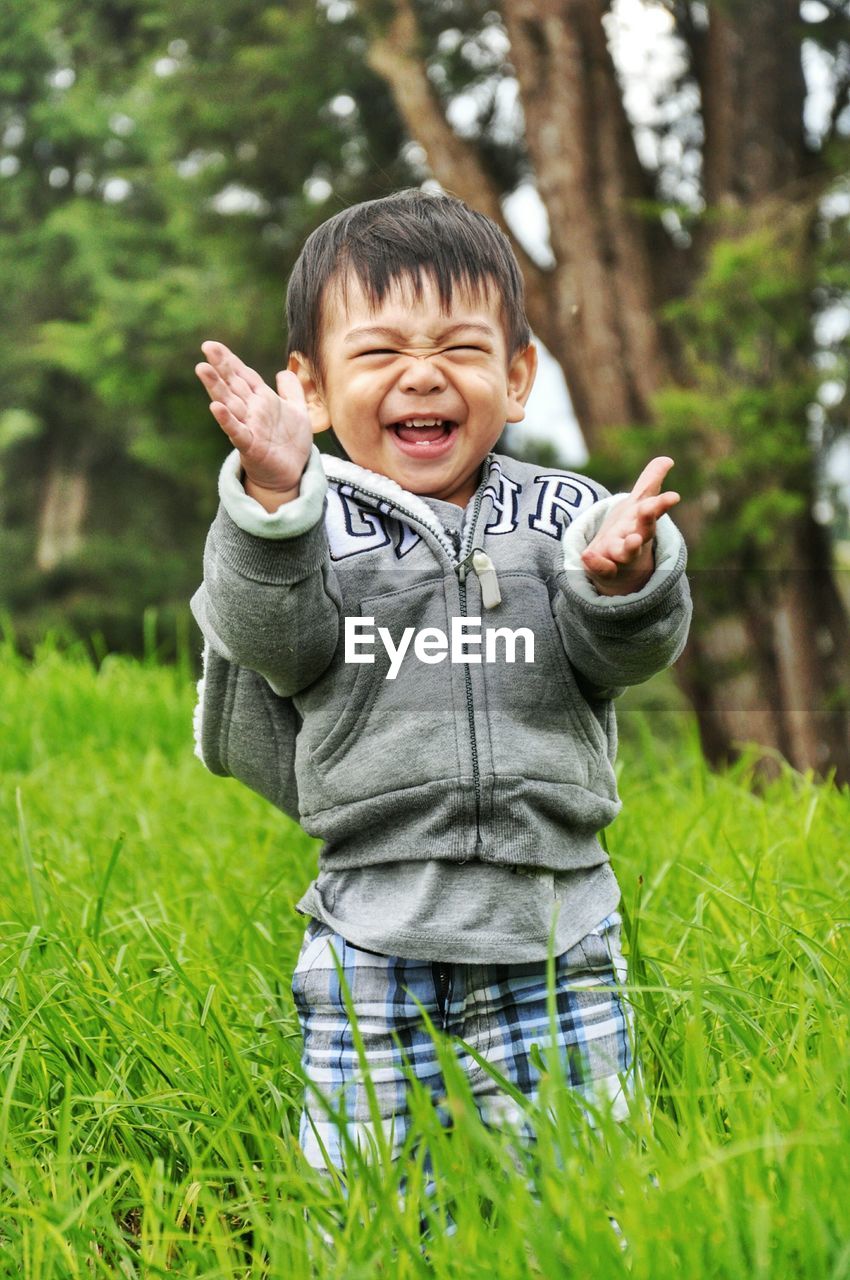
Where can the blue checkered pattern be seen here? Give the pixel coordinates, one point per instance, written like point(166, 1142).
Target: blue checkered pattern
point(498, 1010)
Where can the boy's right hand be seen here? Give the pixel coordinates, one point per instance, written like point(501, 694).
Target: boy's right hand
point(270, 429)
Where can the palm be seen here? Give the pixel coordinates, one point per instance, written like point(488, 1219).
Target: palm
point(279, 431)
point(271, 429)
point(620, 557)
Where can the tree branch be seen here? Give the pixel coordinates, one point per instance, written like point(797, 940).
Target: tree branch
point(692, 36)
point(753, 103)
point(842, 100)
point(837, 9)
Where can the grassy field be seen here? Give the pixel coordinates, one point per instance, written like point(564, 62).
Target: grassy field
point(149, 1087)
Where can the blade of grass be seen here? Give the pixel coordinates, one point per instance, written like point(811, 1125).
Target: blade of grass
point(26, 855)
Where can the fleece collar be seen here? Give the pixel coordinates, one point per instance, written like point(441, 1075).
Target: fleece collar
point(371, 484)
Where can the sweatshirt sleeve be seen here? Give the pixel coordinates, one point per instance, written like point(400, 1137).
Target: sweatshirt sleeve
point(269, 599)
point(616, 641)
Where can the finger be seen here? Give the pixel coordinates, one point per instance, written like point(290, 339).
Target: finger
point(225, 392)
point(629, 548)
point(226, 376)
point(220, 357)
point(650, 480)
point(241, 437)
point(620, 551)
point(648, 512)
point(668, 500)
point(641, 516)
point(598, 562)
point(289, 387)
point(228, 365)
point(210, 378)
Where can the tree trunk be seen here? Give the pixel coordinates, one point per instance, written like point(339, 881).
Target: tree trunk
point(774, 669)
point(62, 516)
point(589, 178)
point(753, 93)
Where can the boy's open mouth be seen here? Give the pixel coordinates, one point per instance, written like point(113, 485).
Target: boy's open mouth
point(423, 436)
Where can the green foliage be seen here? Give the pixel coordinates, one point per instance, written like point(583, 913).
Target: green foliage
point(738, 425)
point(152, 195)
point(149, 1068)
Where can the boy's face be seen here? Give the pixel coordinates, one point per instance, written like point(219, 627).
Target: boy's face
point(418, 394)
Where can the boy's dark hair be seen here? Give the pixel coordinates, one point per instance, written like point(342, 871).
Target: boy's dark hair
point(404, 237)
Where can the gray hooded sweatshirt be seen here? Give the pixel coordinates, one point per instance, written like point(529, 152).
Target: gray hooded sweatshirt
point(470, 720)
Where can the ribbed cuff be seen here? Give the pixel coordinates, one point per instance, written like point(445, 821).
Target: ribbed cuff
point(290, 519)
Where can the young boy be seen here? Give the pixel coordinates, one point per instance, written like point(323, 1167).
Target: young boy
point(420, 647)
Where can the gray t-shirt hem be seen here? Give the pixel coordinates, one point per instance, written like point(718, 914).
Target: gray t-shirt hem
point(515, 912)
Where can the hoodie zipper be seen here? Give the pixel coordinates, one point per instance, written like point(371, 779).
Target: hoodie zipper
point(484, 570)
point(460, 568)
point(470, 714)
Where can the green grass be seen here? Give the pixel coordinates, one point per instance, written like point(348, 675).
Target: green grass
point(149, 1077)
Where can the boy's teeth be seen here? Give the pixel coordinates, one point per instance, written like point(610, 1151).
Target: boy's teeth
point(422, 430)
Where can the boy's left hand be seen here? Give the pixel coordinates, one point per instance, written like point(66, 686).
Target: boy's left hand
point(620, 559)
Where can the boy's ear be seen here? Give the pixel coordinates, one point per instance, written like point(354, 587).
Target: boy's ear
point(521, 373)
point(320, 419)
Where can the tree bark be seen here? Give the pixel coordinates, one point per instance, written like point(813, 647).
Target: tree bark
point(62, 516)
point(591, 181)
point(753, 93)
point(774, 667)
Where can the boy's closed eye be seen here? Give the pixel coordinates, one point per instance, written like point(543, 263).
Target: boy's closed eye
point(459, 349)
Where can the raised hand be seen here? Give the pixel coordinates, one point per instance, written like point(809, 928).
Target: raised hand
point(271, 429)
point(620, 559)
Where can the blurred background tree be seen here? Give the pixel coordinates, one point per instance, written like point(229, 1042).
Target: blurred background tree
point(161, 164)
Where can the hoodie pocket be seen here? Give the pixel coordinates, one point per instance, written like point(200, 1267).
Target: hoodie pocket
point(391, 723)
point(541, 725)
point(355, 706)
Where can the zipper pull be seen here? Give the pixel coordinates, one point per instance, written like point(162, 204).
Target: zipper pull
point(485, 572)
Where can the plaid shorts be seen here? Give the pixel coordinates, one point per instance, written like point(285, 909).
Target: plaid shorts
point(498, 1010)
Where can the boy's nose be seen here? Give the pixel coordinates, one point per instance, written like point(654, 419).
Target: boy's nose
point(421, 377)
